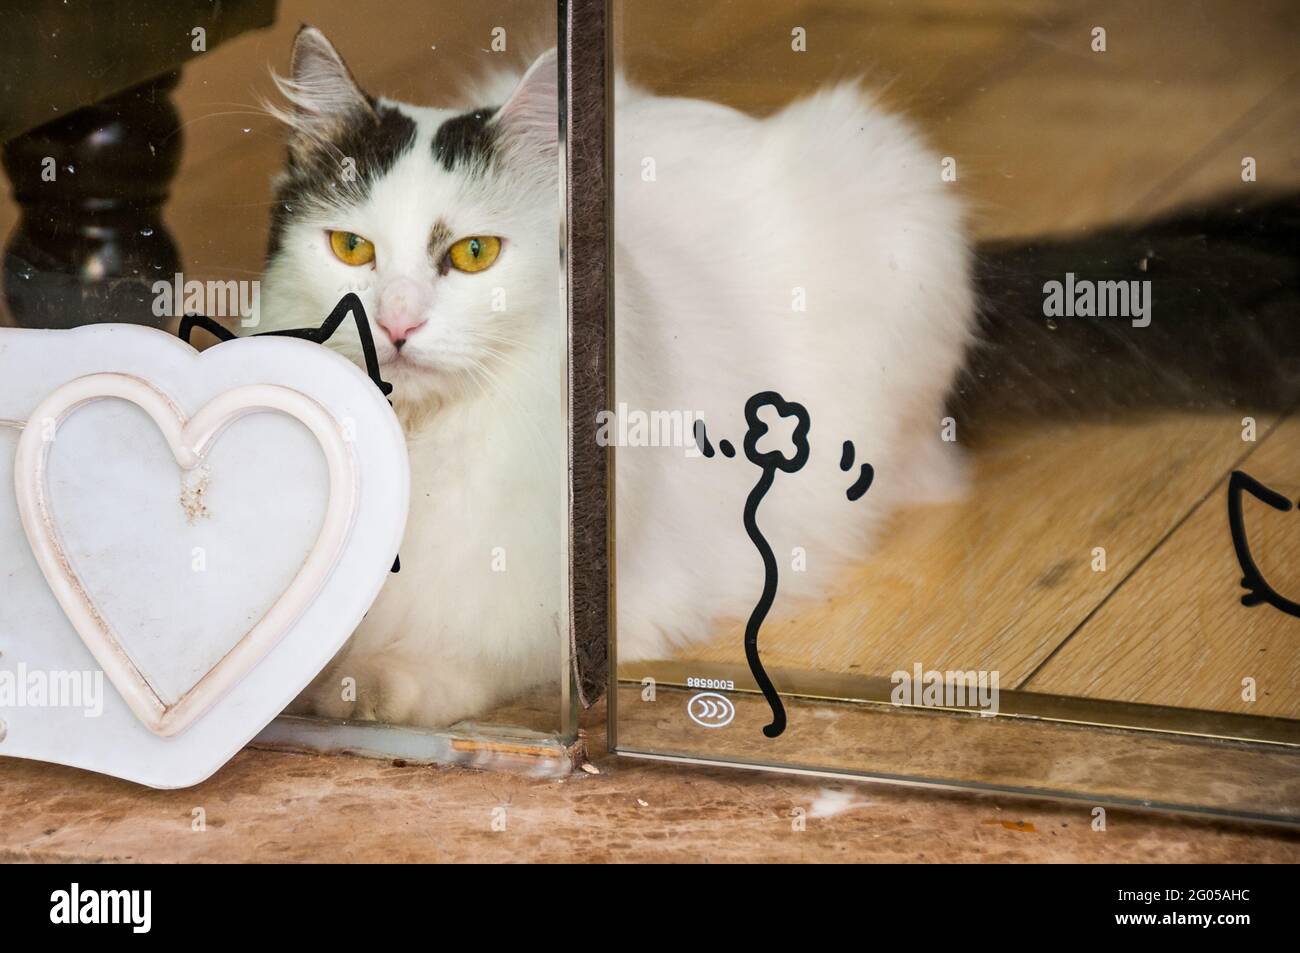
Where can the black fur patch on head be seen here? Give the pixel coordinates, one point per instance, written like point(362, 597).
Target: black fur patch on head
point(317, 170)
point(464, 139)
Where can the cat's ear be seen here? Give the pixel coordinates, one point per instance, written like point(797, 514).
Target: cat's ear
point(529, 121)
point(321, 90)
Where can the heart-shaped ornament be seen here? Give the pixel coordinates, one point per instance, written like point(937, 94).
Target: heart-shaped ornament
point(100, 429)
point(189, 440)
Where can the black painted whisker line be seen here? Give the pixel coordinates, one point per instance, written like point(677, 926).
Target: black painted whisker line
point(702, 438)
point(862, 484)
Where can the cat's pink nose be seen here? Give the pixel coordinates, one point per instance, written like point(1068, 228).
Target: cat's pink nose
point(402, 306)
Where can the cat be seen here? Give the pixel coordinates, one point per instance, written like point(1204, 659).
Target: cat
point(474, 351)
point(816, 251)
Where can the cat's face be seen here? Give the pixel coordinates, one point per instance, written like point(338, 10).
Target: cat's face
point(443, 222)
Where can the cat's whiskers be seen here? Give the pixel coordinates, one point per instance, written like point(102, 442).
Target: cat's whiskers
point(509, 358)
point(252, 110)
point(506, 358)
point(541, 447)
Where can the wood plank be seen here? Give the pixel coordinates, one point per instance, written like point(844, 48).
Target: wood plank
point(926, 54)
point(1176, 633)
point(1084, 138)
point(1270, 134)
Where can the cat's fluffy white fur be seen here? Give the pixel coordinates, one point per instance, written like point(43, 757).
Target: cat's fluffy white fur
point(817, 253)
point(830, 200)
point(473, 616)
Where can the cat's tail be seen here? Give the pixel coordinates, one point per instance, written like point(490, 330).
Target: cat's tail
point(1209, 319)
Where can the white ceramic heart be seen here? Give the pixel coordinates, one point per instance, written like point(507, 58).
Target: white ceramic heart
point(194, 664)
point(189, 439)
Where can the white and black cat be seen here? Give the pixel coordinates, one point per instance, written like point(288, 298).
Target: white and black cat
point(446, 224)
point(816, 251)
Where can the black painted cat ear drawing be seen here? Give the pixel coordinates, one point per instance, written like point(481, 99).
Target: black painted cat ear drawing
point(1258, 589)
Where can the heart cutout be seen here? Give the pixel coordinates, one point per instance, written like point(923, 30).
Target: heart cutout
point(190, 438)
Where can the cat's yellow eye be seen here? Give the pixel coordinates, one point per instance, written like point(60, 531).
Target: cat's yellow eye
point(474, 254)
point(351, 249)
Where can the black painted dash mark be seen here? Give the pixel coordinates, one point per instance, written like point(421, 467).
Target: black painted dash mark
point(702, 438)
point(863, 482)
point(846, 456)
point(727, 449)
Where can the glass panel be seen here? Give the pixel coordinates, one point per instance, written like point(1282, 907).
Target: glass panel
point(259, 174)
point(961, 390)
